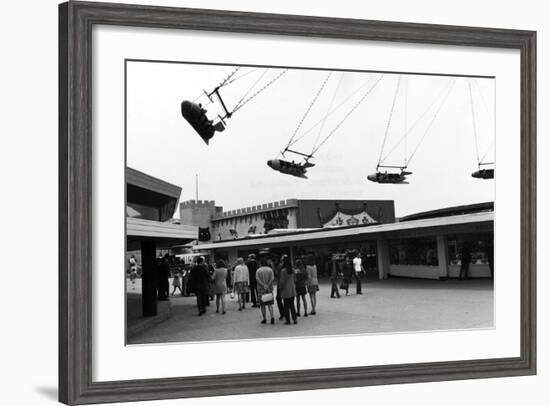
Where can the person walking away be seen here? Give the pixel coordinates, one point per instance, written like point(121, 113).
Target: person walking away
point(288, 289)
point(241, 282)
point(230, 279)
point(334, 291)
point(278, 297)
point(348, 274)
point(219, 278)
point(252, 266)
point(312, 283)
point(176, 284)
point(359, 270)
point(185, 279)
point(465, 259)
point(163, 276)
point(301, 280)
point(264, 283)
point(199, 283)
point(211, 294)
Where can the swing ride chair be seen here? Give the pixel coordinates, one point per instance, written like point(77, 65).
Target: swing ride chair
point(299, 169)
point(482, 173)
point(196, 117)
point(390, 177)
point(290, 167)
point(195, 114)
point(401, 176)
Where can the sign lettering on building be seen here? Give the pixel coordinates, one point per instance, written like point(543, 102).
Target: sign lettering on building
point(343, 220)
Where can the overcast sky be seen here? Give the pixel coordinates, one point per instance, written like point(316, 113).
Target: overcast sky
point(232, 170)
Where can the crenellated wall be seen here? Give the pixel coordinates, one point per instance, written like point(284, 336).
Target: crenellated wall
point(260, 208)
point(198, 213)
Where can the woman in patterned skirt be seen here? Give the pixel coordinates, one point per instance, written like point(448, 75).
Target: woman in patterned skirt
point(219, 278)
point(241, 282)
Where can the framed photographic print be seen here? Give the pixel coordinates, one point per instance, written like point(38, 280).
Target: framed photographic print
point(289, 202)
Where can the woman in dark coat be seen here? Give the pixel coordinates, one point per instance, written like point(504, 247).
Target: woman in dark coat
point(301, 286)
point(348, 271)
point(287, 285)
point(334, 276)
point(199, 283)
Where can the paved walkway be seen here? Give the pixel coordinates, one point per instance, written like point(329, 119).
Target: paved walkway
point(393, 305)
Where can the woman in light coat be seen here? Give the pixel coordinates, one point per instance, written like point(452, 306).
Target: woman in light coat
point(241, 282)
point(264, 280)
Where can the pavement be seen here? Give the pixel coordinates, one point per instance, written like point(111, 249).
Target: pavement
point(393, 305)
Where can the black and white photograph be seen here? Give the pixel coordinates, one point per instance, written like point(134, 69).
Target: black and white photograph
point(275, 202)
point(279, 202)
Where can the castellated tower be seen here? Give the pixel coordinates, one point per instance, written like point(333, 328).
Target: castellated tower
point(198, 212)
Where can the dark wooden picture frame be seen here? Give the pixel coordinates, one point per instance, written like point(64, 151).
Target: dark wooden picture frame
point(76, 20)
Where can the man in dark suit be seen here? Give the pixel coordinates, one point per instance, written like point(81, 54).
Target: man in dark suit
point(252, 266)
point(465, 259)
point(163, 273)
point(199, 283)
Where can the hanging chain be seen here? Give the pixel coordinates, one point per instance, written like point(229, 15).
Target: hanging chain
point(473, 118)
point(322, 127)
point(240, 76)
point(433, 119)
point(389, 120)
point(489, 148)
point(490, 115)
point(308, 110)
point(223, 83)
point(315, 149)
point(226, 80)
point(406, 97)
point(332, 111)
point(250, 89)
point(418, 120)
point(242, 103)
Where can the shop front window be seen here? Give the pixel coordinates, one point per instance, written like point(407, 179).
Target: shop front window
point(414, 251)
point(479, 248)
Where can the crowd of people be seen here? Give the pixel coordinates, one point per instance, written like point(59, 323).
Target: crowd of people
point(262, 284)
point(343, 278)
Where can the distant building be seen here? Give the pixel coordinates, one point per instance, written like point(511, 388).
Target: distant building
point(291, 214)
point(423, 245)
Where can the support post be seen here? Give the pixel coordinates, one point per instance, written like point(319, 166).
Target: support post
point(232, 256)
point(383, 257)
point(148, 279)
point(442, 256)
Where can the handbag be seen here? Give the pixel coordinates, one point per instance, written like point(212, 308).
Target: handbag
point(344, 285)
point(267, 297)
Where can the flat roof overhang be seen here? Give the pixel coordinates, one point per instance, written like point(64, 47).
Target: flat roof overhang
point(473, 222)
point(163, 233)
point(148, 182)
